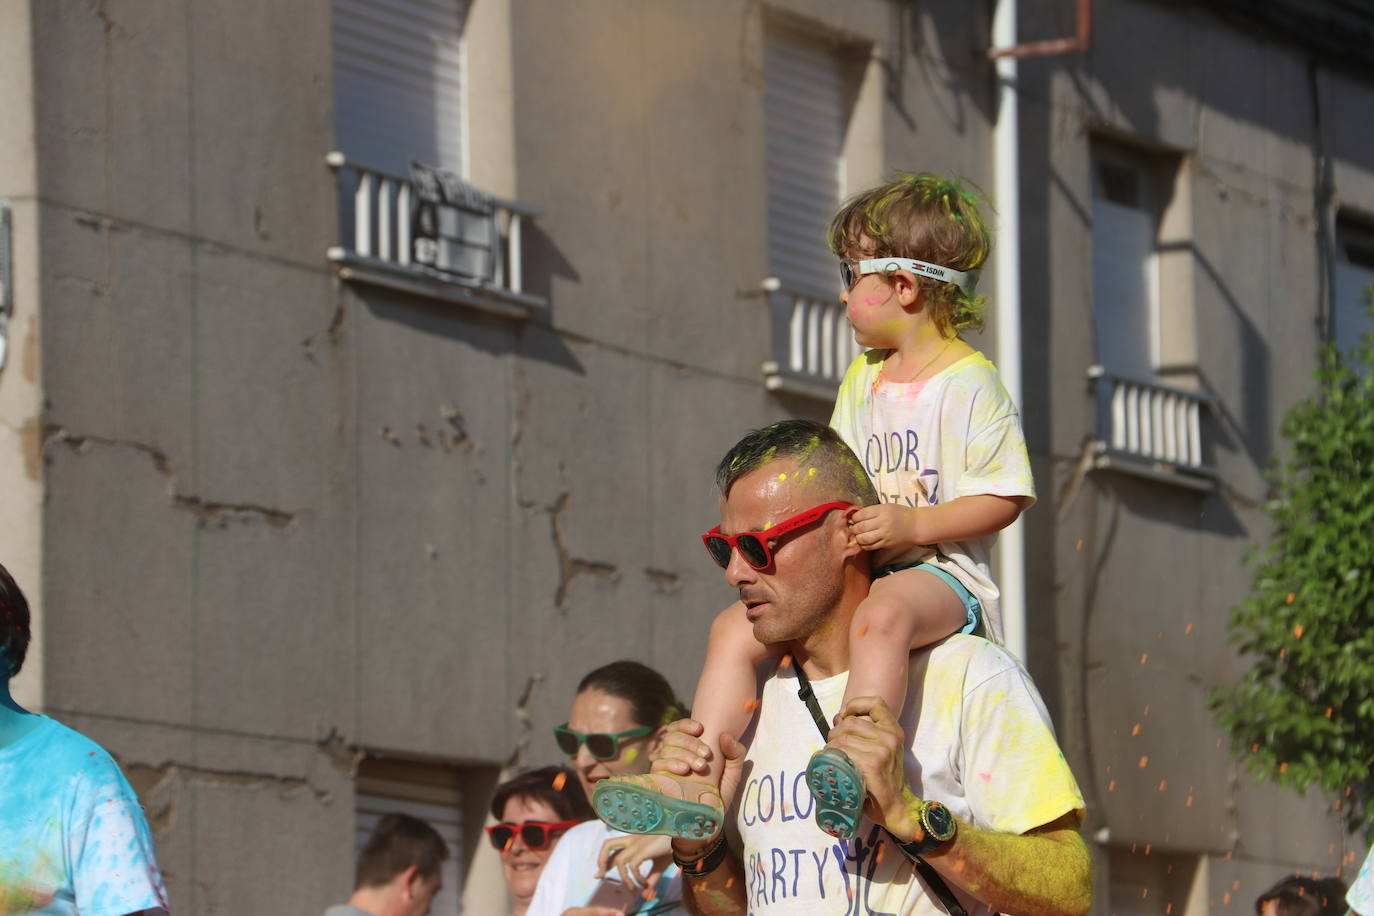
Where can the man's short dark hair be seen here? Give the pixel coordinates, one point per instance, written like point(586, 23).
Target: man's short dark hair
point(14, 625)
point(839, 473)
point(1300, 896)
point(564, 795)
point(398, 842)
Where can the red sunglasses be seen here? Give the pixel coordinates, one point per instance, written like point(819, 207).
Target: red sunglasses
point(754, 545)
point(536, 834)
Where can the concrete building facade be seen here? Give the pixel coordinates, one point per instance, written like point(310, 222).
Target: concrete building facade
point(328, 479)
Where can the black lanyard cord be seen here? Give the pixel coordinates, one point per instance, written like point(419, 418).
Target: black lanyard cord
point(927, 872)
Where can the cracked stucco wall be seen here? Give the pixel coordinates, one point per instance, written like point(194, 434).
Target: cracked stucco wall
point(1134, 580)
point(285, 518)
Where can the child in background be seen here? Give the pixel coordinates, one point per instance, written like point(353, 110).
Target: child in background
point(941, 440)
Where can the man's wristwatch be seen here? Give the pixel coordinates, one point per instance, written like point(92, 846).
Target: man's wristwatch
point(939, 827)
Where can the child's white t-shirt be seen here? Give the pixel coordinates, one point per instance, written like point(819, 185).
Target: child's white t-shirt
point(923, 443)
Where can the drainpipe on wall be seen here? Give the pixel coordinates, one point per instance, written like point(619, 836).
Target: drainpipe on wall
point(1006, 298)
point(1006, 150)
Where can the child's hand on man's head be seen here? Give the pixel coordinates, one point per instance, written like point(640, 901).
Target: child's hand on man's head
point(884, 525)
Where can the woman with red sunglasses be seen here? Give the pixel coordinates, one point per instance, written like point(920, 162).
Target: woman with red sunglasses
point(533, 811)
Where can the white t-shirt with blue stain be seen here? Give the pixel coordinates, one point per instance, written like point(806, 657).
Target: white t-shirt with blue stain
point(73, 839)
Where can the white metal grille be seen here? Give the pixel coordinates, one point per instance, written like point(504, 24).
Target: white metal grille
point(819, 339)
point(378, 214)
point(398, 82)
point(1153, 427)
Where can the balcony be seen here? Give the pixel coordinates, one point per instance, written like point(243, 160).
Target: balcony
point(1151, 430)
point(812, 343)
point(431, 234)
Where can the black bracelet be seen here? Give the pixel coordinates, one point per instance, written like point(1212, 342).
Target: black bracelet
point(914, 850)
point(704, 864)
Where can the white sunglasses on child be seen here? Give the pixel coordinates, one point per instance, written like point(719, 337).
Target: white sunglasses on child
point(851, 271)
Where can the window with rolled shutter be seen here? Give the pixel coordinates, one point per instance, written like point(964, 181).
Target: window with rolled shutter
point(1354, 270)
point(398, 83)
point(804, 111)
point(1125, 266)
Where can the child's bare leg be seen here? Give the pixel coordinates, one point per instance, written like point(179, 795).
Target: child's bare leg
point(727, 692)
point(691, 806)
point(903, 611)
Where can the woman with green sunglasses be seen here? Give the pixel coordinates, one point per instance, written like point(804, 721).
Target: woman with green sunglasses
point(613, 729)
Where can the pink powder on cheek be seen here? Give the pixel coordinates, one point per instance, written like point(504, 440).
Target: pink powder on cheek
point(870, 301)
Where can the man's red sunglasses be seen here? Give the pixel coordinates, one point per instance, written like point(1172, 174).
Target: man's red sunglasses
point(754, 545)
point(536, 834)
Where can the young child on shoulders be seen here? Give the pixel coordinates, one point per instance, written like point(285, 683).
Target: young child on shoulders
point(941, 440)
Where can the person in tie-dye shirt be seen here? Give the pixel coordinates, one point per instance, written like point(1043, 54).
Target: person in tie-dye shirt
point(941, 441)
point(1361, 896)
point(73, 839)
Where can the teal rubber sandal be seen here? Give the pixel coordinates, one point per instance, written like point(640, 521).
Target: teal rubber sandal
point(838, 788)
point(633, 808)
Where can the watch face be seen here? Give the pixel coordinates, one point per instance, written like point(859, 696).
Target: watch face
point(938, 821)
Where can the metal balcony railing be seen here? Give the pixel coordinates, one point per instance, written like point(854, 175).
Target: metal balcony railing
point(433, 235)
point(1152, 430)
point(812, 343)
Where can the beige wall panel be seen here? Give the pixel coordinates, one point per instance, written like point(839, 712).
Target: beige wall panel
point(21, 443)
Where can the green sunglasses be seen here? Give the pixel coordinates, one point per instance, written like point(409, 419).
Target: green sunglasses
point(601, 745)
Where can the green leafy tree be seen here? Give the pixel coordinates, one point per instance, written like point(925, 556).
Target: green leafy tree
point(1303, 714)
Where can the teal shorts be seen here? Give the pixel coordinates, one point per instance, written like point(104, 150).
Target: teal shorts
point(972, 608)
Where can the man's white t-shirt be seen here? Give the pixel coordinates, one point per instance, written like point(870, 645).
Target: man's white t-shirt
point(923, 443)
point(980, 742)
point(568, 879)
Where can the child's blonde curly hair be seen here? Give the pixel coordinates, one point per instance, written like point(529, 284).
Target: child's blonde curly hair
point(928, 217)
